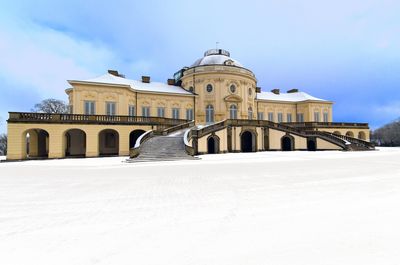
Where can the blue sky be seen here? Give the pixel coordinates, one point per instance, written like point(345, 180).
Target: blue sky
point(344, 51)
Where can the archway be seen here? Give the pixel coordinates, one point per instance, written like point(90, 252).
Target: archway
point(213, 145)
point(337, 133)
point(247, 142)
point(133, 136)
point(36, 143)
point(350, 134)
point(287, 143)
point(362, 136)
point(75, 143)
point(108, 142)
point(311, 145)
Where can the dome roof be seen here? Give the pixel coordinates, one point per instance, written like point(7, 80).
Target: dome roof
point(216, 56)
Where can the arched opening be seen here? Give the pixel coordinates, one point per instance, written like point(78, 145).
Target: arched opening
point(337, 133)
point(311, 145)
point(36, 143)
point(75, 143)
point(362, 136)
point(133, 136)
point(350, 134)
point(233, 112)
point(247, 142)
point(108, 142)
point(209, 114)
point(287, 143)
point(212, 145)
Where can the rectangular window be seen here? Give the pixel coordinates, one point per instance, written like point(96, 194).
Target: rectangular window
point(146, 111)
point(189, 114)
point(161, 112)
point(260, 115)
point(316, 116)
point(289, 117)
point(110, 108)
point(70, 109)
point(89, 107)
point(175, 113)
point(131, 110)
point(270, 116)
point(326, 116)
point(300, 117)
point(280, 117)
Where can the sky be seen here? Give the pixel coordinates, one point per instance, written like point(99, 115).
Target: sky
point(344, 51)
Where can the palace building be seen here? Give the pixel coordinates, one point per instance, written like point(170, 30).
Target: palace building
point(213, 106)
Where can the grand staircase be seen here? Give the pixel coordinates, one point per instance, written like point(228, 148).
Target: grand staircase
point(163, 148)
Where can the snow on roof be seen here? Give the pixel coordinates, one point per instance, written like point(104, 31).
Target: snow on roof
point(137, 85)
point(289, 97)
point(215, 59)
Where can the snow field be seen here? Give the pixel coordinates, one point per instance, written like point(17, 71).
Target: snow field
point(258, 208)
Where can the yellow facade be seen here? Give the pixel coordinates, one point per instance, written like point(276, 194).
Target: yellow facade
point(105, 111)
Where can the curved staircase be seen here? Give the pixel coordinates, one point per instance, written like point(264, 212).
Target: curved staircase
point(163, 148)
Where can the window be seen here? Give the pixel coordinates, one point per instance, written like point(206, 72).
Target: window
point(280, 117)
point(316, 116)
point(270, 116)
point(70, 109)
point(300, 117)
point(191, 89)
point(260, 115)
point(131, 110)
point(175, 113)
point(146, 111)
point(189, 114)
point(233, 112)
point(250, 92)
point(232, 88)
point(110, 108)
point(250, 113)
point(161, 112)
point(326, 117)
point(209, 88)
point(89, 107)
point(289, 117)
point(209, 114)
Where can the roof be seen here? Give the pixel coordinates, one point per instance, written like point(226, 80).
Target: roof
point(288, 97)
point(136, 85)
point(216, 56)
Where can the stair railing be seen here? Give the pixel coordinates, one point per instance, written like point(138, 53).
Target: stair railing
point(135, 151)
point(177, 127)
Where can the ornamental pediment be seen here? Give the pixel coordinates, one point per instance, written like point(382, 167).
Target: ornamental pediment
point(233, 98)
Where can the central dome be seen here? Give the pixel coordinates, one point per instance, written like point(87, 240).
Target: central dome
point(216, 56)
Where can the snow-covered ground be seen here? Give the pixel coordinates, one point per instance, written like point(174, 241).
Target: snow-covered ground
point(261, 208)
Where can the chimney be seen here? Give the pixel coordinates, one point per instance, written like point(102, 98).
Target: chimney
point(115, 73)
point(146, 79)
point(275, 91)
point(294, 90)
point(171, 81)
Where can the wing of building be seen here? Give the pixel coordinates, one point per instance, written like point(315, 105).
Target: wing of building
point(109, 113)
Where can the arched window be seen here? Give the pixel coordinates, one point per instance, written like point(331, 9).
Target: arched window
point(233, 112)
point(250, 92)
point(209, 114)
point(250, 113)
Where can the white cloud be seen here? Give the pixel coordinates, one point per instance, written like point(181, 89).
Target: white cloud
point(42, 59)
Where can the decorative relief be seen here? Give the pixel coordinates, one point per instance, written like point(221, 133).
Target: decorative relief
point(89, 95)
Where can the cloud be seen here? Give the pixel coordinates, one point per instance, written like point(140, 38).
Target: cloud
point(42, 59)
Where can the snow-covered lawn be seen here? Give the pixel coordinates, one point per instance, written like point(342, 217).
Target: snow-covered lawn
point(274, 208)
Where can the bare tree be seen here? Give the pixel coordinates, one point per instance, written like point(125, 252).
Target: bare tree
point(51, 105)
point(3, 144)
point(388, 135)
